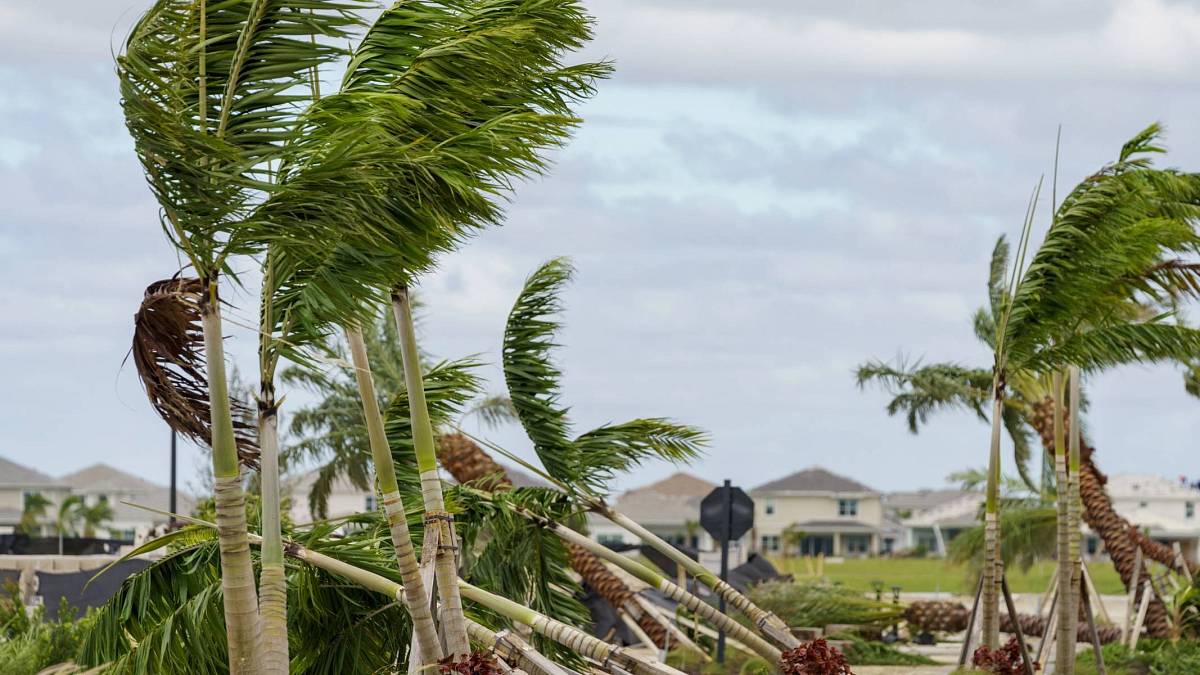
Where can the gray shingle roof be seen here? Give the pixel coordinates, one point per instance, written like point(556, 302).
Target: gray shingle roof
point(17, 475)
point(813, 479)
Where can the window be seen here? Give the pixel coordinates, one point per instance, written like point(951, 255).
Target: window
point(1189, 509)
point(770, 508)
point(1142, 505)
point(847, 507)
point(370, 502)
point(610, 539)
point(770, 542)
point(102, 499)
point(857, 544)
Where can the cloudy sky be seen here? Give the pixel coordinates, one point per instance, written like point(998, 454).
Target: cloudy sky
point(767, 193)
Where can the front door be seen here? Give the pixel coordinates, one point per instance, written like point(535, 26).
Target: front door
point(817, 544)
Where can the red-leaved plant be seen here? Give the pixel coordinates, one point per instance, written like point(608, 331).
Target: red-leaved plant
point(1004, 661)
point(814, 658)
point(478, 663)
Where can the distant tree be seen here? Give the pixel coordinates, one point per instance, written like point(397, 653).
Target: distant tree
point(94, 516)
point(34, 510)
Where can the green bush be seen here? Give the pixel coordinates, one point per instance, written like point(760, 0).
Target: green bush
point(1153, 657)
point(31, 643)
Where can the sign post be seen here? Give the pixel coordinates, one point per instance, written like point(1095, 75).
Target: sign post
point(727, 513)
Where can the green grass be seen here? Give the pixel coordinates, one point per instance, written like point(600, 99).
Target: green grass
point(924, 575)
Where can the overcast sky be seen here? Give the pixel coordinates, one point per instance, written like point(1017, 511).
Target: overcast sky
point(767, 193)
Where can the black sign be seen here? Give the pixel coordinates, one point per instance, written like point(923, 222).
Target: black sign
point(730, 506)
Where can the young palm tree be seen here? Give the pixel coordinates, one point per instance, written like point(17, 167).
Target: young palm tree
point(584, 465)
point(94, 517)
point(1088, 298)
point(210, 92)
point(68, 515)
point(34, 509)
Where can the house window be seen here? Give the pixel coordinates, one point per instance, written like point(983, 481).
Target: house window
point(770, 542)
point(770, 508)
point(610, 539)
point(847, 507)
point(370, 502)
point(1189, 509)
point(857, 544)
point(102, 499)
point(1142, 505)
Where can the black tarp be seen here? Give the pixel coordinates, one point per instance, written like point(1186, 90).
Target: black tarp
point(74, 586)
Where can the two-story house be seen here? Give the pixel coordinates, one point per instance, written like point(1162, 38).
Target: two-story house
point(17, 484)
point(1163, 508)
point(815, 511)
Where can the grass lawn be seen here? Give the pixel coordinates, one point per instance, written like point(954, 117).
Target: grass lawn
point(917, 575)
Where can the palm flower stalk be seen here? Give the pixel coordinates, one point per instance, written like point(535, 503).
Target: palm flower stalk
point(437, 518)
point(393, 505)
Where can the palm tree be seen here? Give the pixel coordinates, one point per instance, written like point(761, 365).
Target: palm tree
point(426, 129)
point(32, 512)
point(583, 466)
point(69, 512)
point(210, 93)
point(94, 516)
point(1088, 299)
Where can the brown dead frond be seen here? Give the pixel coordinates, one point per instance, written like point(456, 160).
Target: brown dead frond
point(168, 351)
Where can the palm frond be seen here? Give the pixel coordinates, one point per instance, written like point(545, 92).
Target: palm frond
point(605, 451)
point(1027, 535)
point(168, 352)
point(530, 373)
point(1104, 347)
point(210, 92)
point(918, 391)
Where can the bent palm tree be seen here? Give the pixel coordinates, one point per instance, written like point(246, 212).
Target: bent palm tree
point(441, 107)
point(210, 92)
point(1087, 300)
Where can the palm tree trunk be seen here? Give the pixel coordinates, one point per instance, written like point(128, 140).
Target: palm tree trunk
point(237, 575)
point(393, 505)
point(1120, 538)
point(1065, 637)
point(1073, 552)
point(992, 563)
point(454, 627)
point(613, 590)
point(272, 582)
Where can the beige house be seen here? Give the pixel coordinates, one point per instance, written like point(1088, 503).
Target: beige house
point(17, 482)
point(670, 508)
point(831, 514)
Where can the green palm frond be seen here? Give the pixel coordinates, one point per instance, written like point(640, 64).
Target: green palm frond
point(210, 93)
point(530, 372)
point(1027, 535)
point(918, 391)
point(1112, 256)
point(442, 107)
point(605, 451)
point(1099, 348)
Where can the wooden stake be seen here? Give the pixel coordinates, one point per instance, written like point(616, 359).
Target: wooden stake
point(1091, 587)
point(1141, 618)
point(1047, 635)
point(1131, 602)
point(1091, 619)
point(1181, 562)
point(966, 648)
point(1012, 616)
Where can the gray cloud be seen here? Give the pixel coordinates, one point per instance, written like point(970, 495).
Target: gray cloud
point(765, 195)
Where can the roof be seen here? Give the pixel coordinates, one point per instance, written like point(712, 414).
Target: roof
point(18, 475)
point(1142, 485)
point(918, 500)
point(816, 526)
point(102, 477)
point(814, 479)
point(679, 484)
point(960, 512)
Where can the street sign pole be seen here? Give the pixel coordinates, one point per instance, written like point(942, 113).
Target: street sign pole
point(727, 527)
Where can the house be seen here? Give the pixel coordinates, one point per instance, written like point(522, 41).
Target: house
point(102, 483)
point(670, 508)
point(932, 528)
point(17, 483)
point(827, 513)
point(902, 505)
point(95, 484)
point(1163, 508)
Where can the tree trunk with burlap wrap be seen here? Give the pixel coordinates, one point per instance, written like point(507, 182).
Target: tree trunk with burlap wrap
point(1120, 537)
point(469, 463)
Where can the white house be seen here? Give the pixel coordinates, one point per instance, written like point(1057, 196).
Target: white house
point(96, 483)
point(1165, 509)
point(670, 508)
point(831, 514)
point(931, 529)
